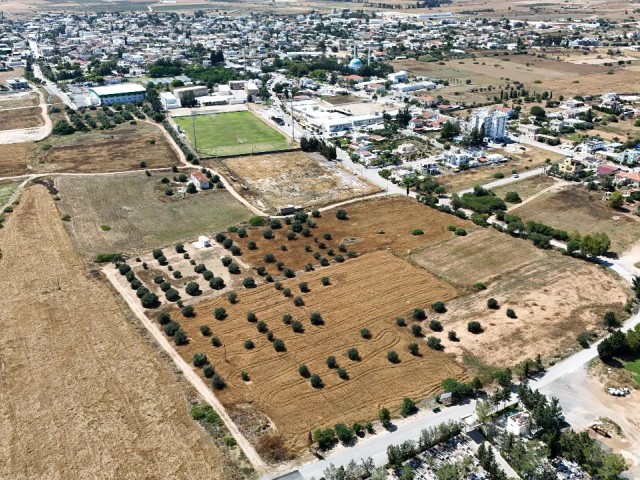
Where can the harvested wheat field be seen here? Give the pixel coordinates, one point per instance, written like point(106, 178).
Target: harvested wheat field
point(15, 159)
point(82, 393)
point(21, 118)
point(368, 292)
point(297, 178)
point(378, 224)
point(554, 297)
point(482, 256)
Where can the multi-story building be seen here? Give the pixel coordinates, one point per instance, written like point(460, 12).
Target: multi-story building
point(492, 122)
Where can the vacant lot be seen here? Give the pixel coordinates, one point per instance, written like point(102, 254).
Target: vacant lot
point(28, 117)
point(19, 100)
point(528, 187)
point(140, 215)
point(577, 209)
point(16, 159)
point(482, 256)
point(371, 225)
point(76, 376)
point(368, 292)
point(528, 159)
point(294, 178)
point(554, 297)
point(342, 99)
point(231, 134)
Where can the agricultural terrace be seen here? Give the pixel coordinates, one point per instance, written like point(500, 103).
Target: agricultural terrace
point(371, 225)
point(26, 117)
point(523, 159)
point(298, 178)
point(139, 214)
point(98, 384)
point(231, 133)
point(577, 209)
point(554, 297)
point(368, 292)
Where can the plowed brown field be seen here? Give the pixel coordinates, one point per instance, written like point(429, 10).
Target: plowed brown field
point(372, 225)
point(82, 393)
point(370, 291)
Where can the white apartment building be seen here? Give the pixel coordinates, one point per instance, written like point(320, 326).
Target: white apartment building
point(493, 122)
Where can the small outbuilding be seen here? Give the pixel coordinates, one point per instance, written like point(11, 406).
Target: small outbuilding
point(200, 181)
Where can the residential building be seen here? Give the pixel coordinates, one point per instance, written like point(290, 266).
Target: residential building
point(18, 84)
point(570, 166)
point(200, 180)
point(491, 122)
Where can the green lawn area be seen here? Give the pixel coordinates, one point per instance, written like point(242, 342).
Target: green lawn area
point(231, 134)
point(6, 191)
point(634, 368)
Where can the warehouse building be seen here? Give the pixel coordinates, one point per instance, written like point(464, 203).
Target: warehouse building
point(119, 93)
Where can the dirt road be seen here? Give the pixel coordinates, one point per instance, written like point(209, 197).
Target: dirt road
point(82, 393)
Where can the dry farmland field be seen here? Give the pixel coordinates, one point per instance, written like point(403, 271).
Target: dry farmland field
point(372, 225)
point(19, 100)
point(367, 292)
point(294, 178)
point(26, 117)
point(122, 148)
point(575, 208)
point(82, 393)
point(527, 187)
point(555, 297)
point(139, 214)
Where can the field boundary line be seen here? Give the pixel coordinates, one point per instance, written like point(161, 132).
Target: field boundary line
point(189, 374)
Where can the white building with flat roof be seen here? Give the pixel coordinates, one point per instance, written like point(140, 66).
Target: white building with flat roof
point(492, 122)
point(119, 93)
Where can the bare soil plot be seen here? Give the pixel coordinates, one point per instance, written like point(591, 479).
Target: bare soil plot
point(368, 292)
point(554, 297)
point(77, 376)
point(19, 100)
point(577, 209)
point(140, 216)
point(27, 117)
point(526, 188)
point(380, 224)
point(294, 178)
point(342, 99)
point(15, 159)
point(529, 159)
point(482, 256)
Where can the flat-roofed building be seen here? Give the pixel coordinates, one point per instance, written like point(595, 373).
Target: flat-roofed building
point(119, 93)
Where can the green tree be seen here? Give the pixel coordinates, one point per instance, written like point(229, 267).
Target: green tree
point(325, 438)
point(615, 200)
point(384, 415)
point(595, 244)
point(408, 407)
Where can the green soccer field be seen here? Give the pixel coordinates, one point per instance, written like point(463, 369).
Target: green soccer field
point(232, 133)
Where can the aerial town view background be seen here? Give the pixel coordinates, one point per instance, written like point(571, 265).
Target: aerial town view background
point(309, 239)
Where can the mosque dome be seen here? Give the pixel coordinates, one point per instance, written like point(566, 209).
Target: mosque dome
point(355, 64)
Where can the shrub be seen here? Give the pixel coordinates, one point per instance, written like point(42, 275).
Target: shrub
point(393, 357)
point(215, 341)
point(177, 274)
point(324, 437)
point(439, 307)
point(416, 330)
point(344, 433)
point(163, 318)
point(512, 197)
point(316, 381)
point(251, 245)
point(461, 232)
point(287, 293)
point(164, 286)
point(188, 311)
point(262, 326)
point(172, 295)
point(269, 258)
point(298, 301)
point(434, 343)
point(278, 345)
point(365, 333)
point(248, 344)
point(245, 376)
point(234, 269)
point(208, 370)
point(315, 213)
point(192, 288)
point(325, 281)
point(303, 370)
point(199, 359)
point(492, 303)
point(474, 327)
point(341, 214)
point(342, 373)
point(291, 235)
point(217, 382)
point(220, 313)
point(136, 284)
point(353, 354)
point(242, 232)
point(232, 297)
point(297, 327)
point(316, 319)
point(452, 335)
point(324, 262)
point(610, 320)
point(207, 275)
point(408, 407)
point(435, 325)
point(180, 338)
point(179, 248)
point(417, 231)
point(332, 362)
point(217, 283)
point(249, 282)
point(289, 273)
point(414, 349)
point(401, 322)
point(286, 318)
point(267, 234)
point(256, 221)
point(201, 267)
point(171, 328)
point(235, 250)
point(205, 330)
point(511, 313)
point(418, 314)
point(480, 286)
